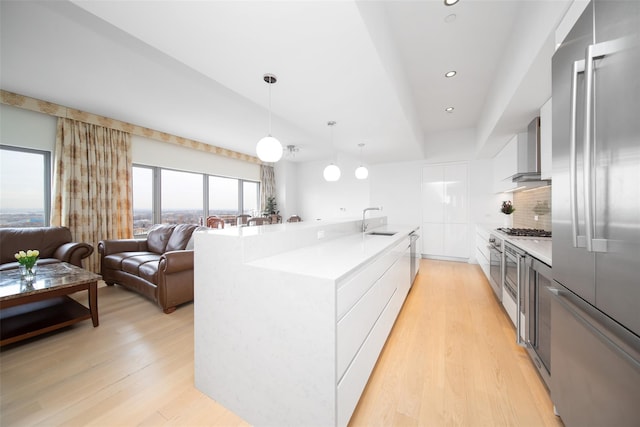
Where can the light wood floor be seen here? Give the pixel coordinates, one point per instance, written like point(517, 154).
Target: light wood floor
point(451, 359)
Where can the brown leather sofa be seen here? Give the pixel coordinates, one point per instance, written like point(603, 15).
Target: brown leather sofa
point(160, 267)
point(54, 243)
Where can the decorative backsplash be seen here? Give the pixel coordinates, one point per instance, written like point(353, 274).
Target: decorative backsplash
point(532, 204)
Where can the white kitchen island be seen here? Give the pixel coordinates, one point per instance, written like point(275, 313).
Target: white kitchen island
point(290, 318)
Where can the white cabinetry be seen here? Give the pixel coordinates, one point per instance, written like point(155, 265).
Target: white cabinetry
point(445, 210)
point(298, 331)
point(482, 250)
point(363, 330)
point(545, 140)
point(505, 165)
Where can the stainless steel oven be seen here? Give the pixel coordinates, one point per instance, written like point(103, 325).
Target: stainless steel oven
point(496, 262)
point(538, 303)
point(513, 284)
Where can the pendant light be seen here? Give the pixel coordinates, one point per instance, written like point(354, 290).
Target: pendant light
point(361, 171)
point(269, 149)
point(332, 172)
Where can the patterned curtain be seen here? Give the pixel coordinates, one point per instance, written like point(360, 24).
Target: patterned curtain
point(92, 192)
point(268, 185)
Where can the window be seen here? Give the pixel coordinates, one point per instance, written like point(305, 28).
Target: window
point(223, 196)
point(142, 200)
point(25, 187)
point(177, 197)
point(181, 197)
point(250, 194)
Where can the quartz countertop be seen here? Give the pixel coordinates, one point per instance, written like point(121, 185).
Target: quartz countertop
point(335, 258)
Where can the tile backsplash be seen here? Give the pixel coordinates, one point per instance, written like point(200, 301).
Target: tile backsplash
point(533, 208)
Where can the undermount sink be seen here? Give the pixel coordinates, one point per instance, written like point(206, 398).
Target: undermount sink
point(382, 233)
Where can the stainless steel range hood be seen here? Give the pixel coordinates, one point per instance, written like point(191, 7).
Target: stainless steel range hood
point(529, 158)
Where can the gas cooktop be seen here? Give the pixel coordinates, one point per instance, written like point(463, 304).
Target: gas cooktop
point(525, 232)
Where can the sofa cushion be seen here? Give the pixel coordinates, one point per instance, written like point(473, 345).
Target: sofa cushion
point(114, 261)
point(180, 237)
point(132, 265)
point(45, 239)
point(149, 271)
point(158, 237)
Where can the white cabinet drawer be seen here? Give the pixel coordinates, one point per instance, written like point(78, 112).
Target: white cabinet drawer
point(354, 327)
point(353, 289)
point(481, 245)
point(355, 379)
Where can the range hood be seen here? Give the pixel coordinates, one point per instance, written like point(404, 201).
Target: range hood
point(529, 158)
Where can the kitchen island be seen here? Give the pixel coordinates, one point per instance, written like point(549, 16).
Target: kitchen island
point(290, 318)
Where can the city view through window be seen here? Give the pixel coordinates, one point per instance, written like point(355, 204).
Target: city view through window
point(182, 197)
point(23, 187)
point(24, 195)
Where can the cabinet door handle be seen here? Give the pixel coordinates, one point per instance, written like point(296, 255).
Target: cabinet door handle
point(578, 67)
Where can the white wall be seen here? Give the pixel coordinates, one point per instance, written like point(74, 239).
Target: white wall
point(397, 187)
point(318, 199)
point(287, 188)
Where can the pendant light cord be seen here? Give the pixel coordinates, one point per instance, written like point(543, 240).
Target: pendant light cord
point(270, 108)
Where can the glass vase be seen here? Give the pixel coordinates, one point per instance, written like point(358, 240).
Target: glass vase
point(28, 273)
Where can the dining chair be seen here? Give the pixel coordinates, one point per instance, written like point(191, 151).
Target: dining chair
point(294, 218)
point(242, 219)
point(215, 222)
point(275, 219)
point(257, 221)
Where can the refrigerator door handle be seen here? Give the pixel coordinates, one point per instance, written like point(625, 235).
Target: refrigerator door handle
point(578, 241)
point(592, 53)
point(588, 175)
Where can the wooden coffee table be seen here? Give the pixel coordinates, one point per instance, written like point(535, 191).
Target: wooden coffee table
point(44, 305)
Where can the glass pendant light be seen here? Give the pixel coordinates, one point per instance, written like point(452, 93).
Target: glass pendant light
point(269, 149)
point(332, 172)
point(361, 171)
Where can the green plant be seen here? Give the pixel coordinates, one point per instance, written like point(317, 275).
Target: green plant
point(272, 206)
point(507, 207)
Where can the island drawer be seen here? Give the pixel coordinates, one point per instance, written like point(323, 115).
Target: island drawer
point(355, 326)
point(353, 289)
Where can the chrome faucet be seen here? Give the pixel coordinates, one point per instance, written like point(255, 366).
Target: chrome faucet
point(364, 226)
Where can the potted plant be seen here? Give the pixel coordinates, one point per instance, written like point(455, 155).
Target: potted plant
point(272, 206)
point(507, 209)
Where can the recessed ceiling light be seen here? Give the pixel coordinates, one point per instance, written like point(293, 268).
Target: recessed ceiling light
point(450, 73)
point(450, 2)
point(449, 109)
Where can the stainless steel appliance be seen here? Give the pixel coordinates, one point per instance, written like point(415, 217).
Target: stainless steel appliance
point(525, 232)
point(513, 282)
point(538, 315)
point(496, 262)
point(595, 320)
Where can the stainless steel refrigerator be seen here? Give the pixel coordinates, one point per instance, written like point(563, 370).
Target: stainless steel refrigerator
point(595, 319)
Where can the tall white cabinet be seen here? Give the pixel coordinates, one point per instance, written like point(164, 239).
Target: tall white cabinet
point(445, 210)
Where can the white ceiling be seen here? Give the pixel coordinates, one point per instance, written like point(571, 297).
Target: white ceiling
point(194, 69)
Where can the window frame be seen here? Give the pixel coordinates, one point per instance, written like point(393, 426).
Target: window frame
point(157, 190)
point(47, 171)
